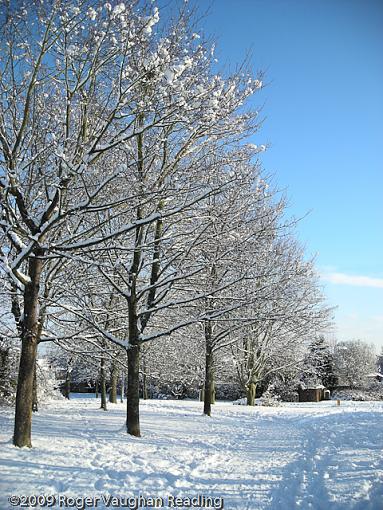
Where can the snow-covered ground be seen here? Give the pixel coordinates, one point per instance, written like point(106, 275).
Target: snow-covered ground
point(299, 456)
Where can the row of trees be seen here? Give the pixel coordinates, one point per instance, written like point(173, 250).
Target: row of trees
point(132, 207)
point(167, 373)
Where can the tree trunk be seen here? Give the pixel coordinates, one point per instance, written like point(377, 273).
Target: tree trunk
point(250, 393)
point(29, 338)
point(133, 389)
point(144, 387)
point(122, 386)
point(113, 385)
point(103, 384)
point(209, 375)
point(144, 379)
point(67, 383)
point(35, 406)
point(96, 388)
point(133, 396)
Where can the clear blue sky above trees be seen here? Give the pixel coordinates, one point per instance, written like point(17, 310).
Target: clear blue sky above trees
point(323, 109)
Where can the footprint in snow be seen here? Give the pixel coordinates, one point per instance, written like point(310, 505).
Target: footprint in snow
point(57, 484)
point(117, 475)
point(99, 484)
point(139, 461)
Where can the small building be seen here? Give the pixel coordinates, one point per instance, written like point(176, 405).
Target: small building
point(314, 394)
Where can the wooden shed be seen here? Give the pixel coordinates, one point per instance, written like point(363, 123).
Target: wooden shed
point(312, 394)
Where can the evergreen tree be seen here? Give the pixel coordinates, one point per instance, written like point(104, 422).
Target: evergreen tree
point(320, 363)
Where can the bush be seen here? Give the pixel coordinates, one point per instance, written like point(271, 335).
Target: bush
point(228, 391)
point(282, 391)
point(48, 388)
point(174, 390)
point(374, 391)
point(270, 398)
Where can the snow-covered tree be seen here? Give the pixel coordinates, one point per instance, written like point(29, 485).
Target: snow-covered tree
point(319, 363)
point(91, 95)
point(354, 360)
point(288, 312)
point(380, 362)
point(236, 220)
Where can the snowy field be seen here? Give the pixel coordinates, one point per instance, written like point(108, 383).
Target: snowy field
point(300, 456)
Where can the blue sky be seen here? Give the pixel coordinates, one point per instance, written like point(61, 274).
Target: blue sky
point(323, 109)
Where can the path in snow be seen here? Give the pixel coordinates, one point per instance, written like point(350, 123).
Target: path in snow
point(308, 456)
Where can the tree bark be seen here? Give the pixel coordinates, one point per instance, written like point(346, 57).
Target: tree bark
point(103, 385)
point(67, 383)
point(144, 387)
point(35, 405)
point(250, 393)
point(144, 378)
point(122, 386)
point(133, 395)
point(133, 389)
point(113, 385)
point(29, 339)
point(209, 374)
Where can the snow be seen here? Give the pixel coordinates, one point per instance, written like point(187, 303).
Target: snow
point(308, 455)
point(119, 9)
point(92, 13)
